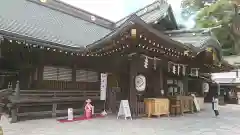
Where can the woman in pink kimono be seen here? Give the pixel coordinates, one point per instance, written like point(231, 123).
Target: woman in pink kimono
point(89, 109)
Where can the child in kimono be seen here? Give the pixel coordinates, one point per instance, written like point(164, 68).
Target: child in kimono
point(89, 109)
point(215, 103)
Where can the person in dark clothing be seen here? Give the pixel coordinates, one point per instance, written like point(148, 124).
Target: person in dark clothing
point(215, 103)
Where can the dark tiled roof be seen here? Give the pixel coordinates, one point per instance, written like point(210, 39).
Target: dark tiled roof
point(31, 19)
point(134, 19)
point(150, 13)
point(197, 39)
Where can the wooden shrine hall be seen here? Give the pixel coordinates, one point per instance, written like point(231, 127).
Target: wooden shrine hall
point(57, 67)
point(138, 49)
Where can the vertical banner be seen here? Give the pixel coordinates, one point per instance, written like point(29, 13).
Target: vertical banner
point(103, 87)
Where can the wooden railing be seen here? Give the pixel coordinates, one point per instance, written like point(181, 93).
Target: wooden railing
point(65, 85)
point(61, 93)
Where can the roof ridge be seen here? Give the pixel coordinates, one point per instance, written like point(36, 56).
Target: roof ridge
point(129, 20)
point(82, 10)
point(141, 9)
point(68, 9)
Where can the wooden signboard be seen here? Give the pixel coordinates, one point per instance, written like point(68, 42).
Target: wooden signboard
point(195, 102)
point(124, 110)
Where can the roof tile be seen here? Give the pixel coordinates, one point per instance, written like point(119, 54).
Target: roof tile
point(34, 20)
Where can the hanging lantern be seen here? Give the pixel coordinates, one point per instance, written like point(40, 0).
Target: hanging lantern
point(146, 62)
point(133, 33)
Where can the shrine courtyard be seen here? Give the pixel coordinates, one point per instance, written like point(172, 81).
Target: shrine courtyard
point(202, 123)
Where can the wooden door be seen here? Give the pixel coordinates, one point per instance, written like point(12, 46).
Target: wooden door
point(112, 89)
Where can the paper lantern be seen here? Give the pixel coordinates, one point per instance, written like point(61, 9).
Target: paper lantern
point(205, 87)
point(140, 83)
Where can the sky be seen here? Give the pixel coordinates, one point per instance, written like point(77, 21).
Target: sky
point(115, 10)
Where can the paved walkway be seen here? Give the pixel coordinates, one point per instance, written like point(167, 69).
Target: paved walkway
point(191, 124)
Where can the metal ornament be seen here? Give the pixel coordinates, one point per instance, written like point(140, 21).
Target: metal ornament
point(140, 83)
point(93, 18)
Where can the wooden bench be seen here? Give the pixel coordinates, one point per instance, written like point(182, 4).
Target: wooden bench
point(54, 99)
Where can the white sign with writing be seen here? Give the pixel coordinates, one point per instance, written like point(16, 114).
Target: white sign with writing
point(103, 86)
point(196, 102)
point(124, 110)
point(70, 114)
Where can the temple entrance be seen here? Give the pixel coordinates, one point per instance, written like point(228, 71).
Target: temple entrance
point(113, 92)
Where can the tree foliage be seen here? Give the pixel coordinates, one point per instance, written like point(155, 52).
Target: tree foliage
point(218, 16)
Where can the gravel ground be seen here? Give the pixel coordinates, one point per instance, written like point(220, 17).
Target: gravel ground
point(203, 123)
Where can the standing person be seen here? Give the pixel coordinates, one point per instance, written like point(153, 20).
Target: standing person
point(215, 103)
point(89, 109)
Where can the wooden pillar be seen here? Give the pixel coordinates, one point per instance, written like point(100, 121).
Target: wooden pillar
point(164, 82)
point(132, 91)
point(157, 83)
point(40, 70)
point(74, 68)
point(161, 80)
point(40, 75)
point(17, 90)
point(185, 84)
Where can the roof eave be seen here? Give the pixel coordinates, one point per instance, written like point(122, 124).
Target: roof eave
point(31, 40)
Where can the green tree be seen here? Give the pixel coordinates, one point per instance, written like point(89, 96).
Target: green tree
point(220, 15)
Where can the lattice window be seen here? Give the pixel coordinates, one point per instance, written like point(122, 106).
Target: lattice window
point(50, 73)
point(56, 73)
point(65, 74)
point(86, 76)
